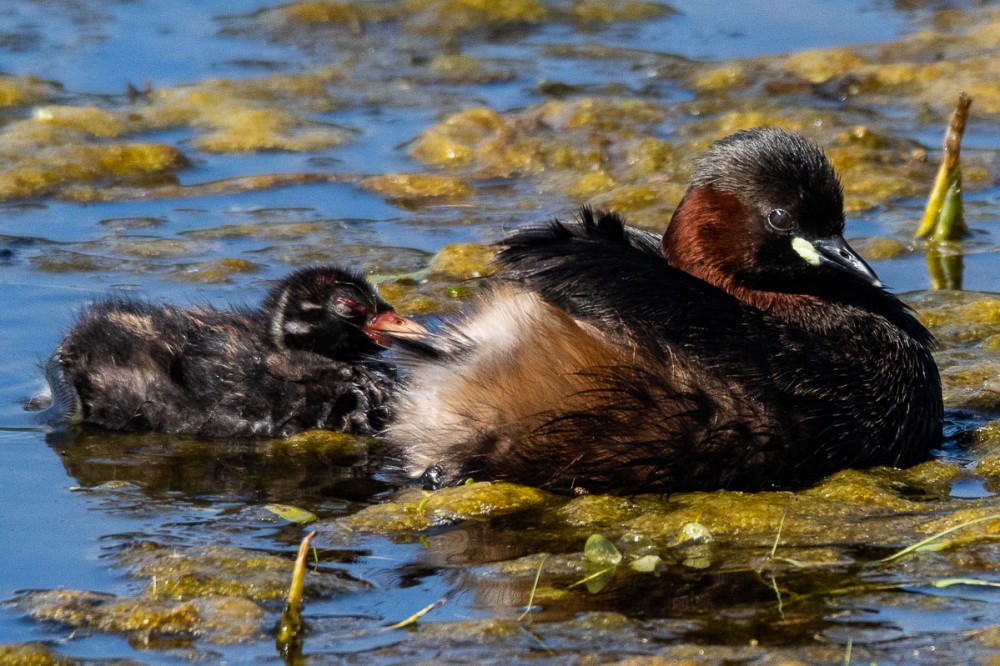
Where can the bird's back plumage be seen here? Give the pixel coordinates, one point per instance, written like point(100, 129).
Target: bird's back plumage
point(616, 371)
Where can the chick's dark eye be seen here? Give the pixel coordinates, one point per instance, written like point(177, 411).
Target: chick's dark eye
point(780, 220)
point(348, 308)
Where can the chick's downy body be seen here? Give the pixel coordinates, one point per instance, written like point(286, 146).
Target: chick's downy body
point(304, 360)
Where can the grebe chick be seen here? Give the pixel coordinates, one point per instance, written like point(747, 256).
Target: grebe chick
point(303, 360)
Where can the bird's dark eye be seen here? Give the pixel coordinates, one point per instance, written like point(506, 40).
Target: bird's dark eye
point(348, 308)
point(780, 220)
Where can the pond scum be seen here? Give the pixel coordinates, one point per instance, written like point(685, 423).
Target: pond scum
point(721, 577)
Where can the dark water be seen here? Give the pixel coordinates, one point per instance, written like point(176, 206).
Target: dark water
point(63, 525)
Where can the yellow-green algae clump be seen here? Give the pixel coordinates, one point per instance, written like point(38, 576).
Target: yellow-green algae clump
point(350, 13)
point(425, 296)
point(269, 113)
point(333, 445)
point(215, 619)
point(24, 90)
point(965, 59)
point(554, 135)
point(45, 170)
point(32, 654)
point(63, 150)
point(462, 260)
point(214, 593)
point(451, 276)
point(215, 270)
point(604, 151)
point(596, 149)
point(967, 325)
point(986, 442)
point(415, 185)
point(267, 129)
point(837, 511)
point(840, 510)
point(461, 69)
point(182, 574)
point(413, 511)
point(876, 167)
point(450, 18)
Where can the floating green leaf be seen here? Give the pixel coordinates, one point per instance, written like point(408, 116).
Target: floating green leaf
point(600, 550)
point(646, 563)
point(292, 514)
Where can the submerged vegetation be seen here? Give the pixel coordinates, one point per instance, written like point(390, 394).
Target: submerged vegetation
point(479, 138)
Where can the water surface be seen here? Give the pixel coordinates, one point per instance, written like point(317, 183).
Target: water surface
point(76, 508)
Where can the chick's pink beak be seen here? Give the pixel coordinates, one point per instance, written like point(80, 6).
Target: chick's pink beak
point(383, 328)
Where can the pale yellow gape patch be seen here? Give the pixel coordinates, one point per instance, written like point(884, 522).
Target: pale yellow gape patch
point(806, 250)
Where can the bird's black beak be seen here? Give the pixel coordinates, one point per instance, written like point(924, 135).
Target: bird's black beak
point(835, 253)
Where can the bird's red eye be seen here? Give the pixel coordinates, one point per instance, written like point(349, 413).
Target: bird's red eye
point(780, 220)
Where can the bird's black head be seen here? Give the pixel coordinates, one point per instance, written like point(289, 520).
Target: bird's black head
point(333, 312)
point(765, 211)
